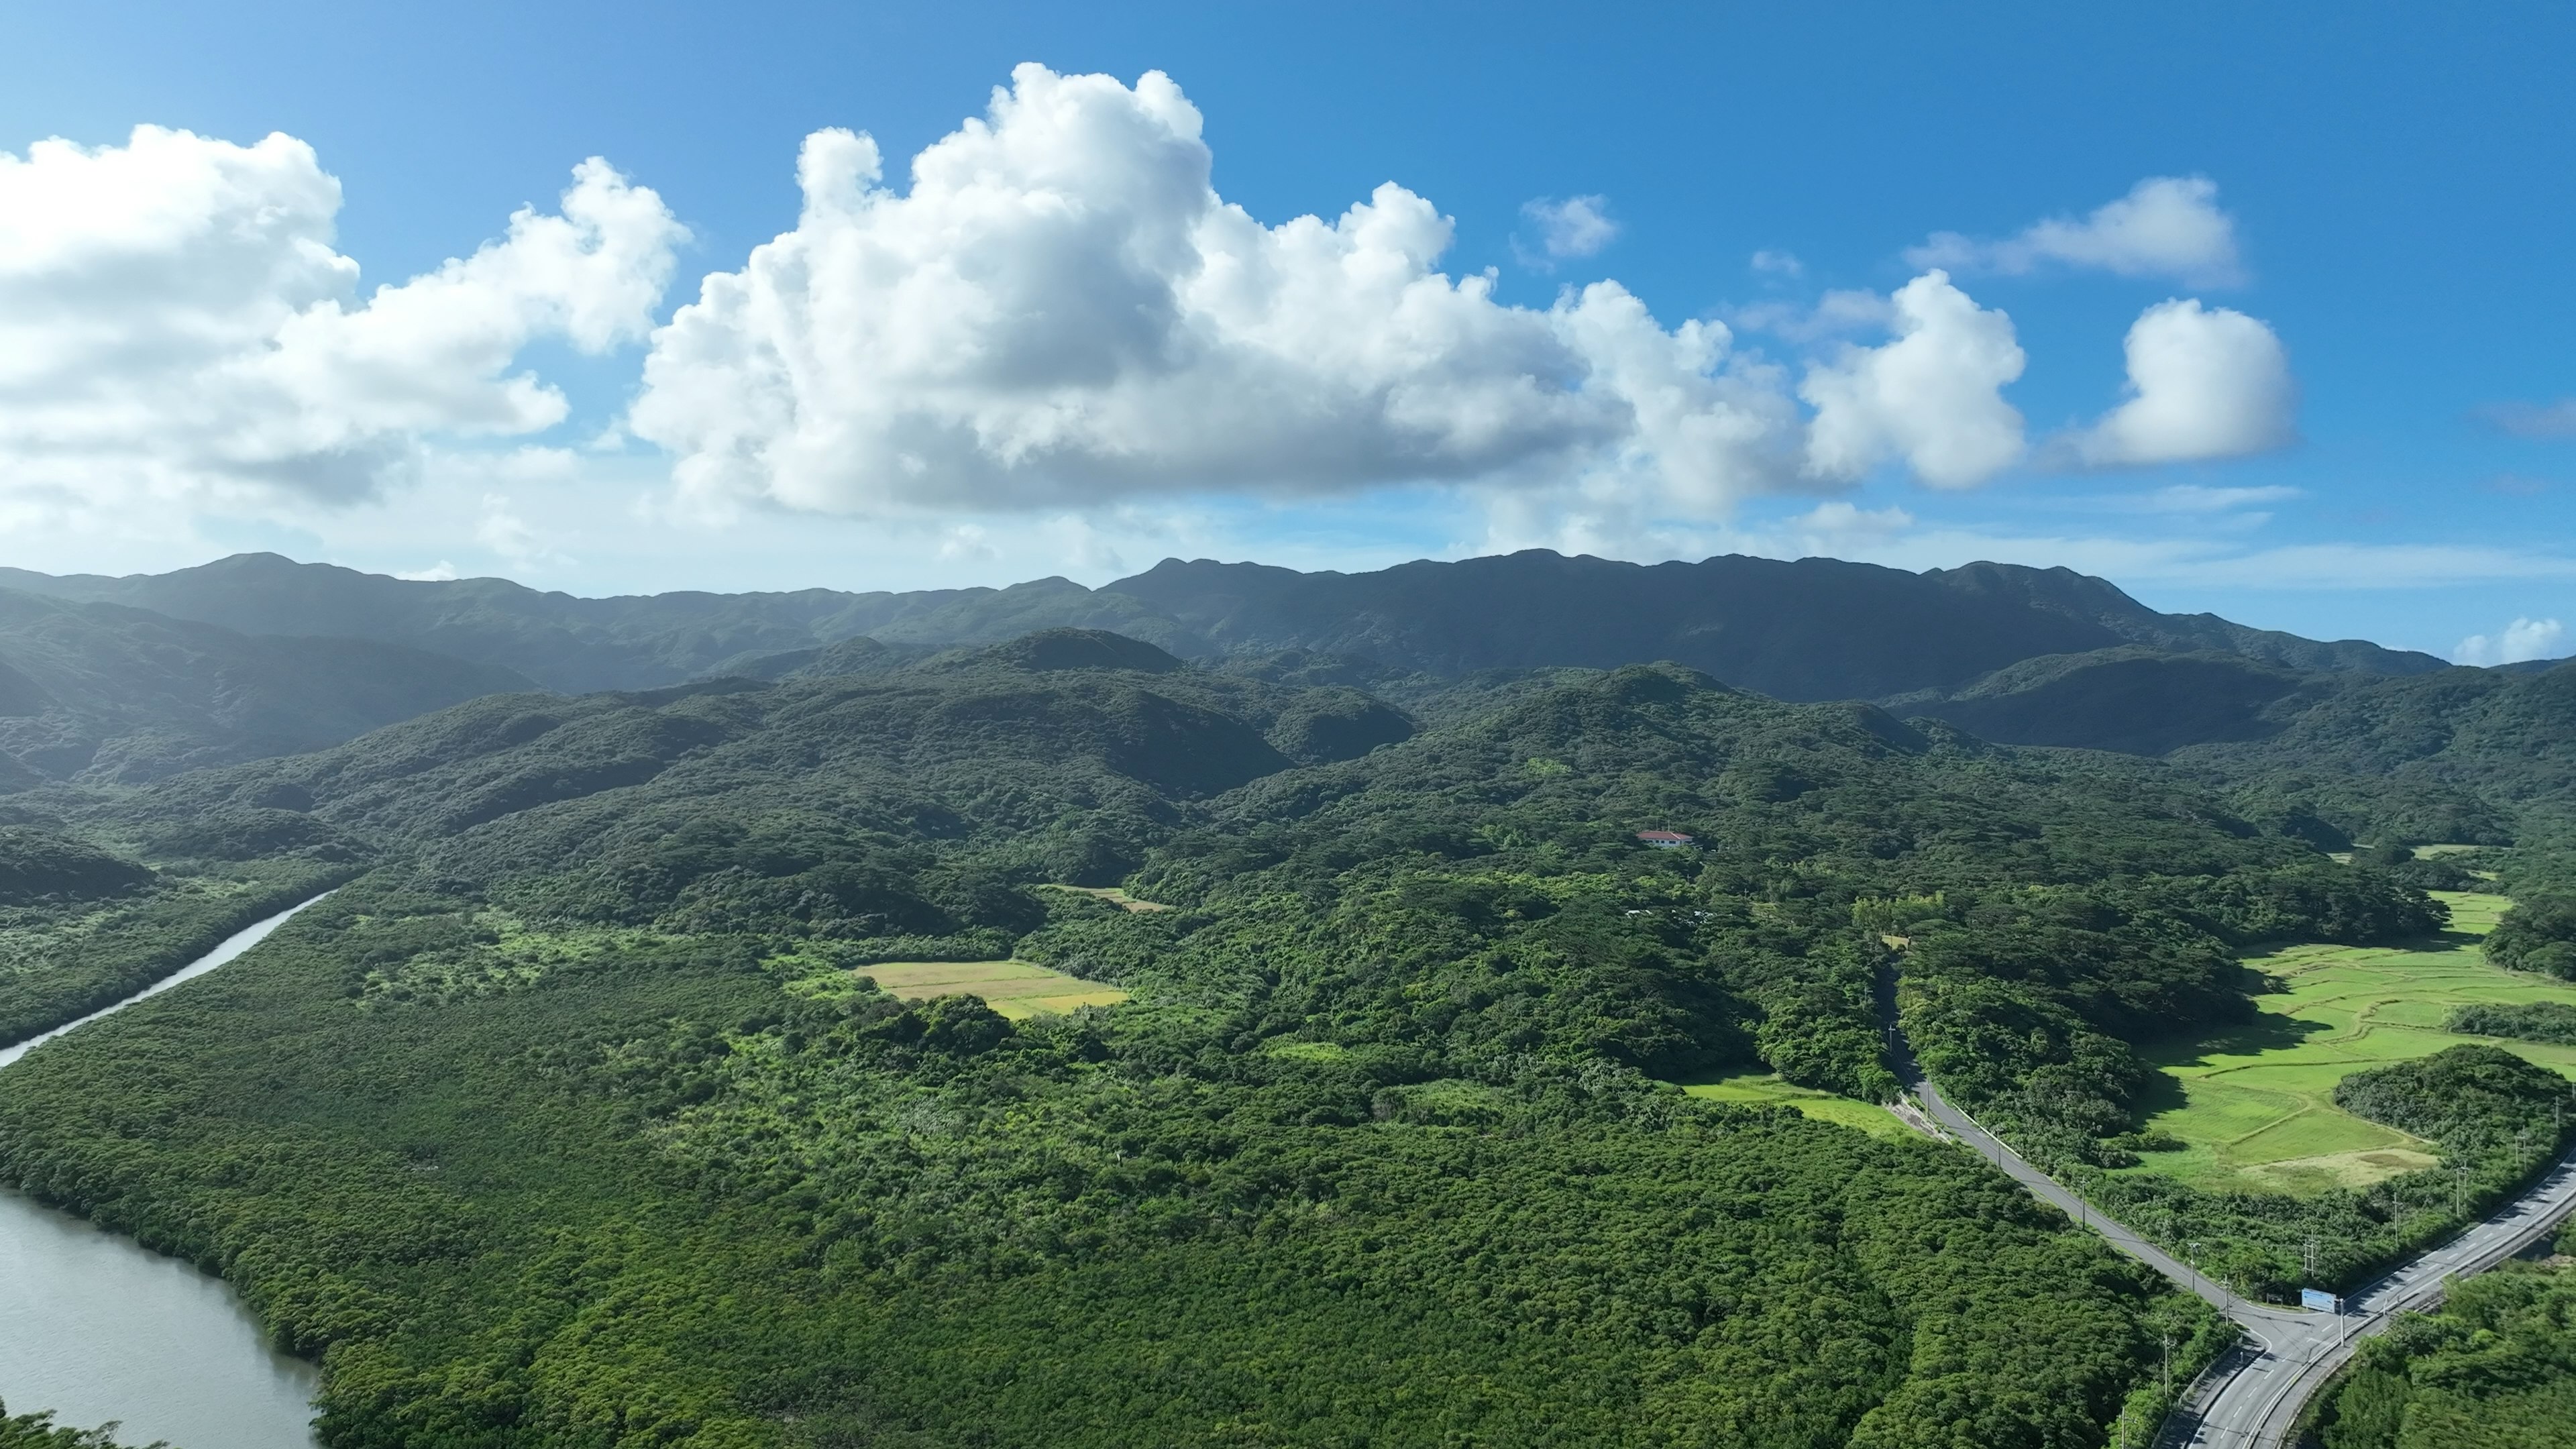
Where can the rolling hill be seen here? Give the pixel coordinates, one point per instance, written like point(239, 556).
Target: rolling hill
point(103, 694)
point(582, 1106)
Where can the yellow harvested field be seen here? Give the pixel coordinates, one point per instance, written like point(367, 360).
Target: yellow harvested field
point(1016, 989)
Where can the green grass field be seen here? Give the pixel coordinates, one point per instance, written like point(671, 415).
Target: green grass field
point(1115, 895)
point(1016, 989)
point(2255, 1102)
point(1762, 1089)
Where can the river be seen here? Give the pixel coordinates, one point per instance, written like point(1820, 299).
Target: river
point(95, 1328)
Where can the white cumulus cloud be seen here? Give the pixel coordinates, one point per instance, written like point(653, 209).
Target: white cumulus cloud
point(1932, 396)
point(2521, 640)
point(2203, 383)
point(1060, 311)
point(176, 327)
point(1579, 226)
point(2167, 226)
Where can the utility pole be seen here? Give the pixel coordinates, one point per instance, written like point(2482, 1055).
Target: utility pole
point(2168, 1341)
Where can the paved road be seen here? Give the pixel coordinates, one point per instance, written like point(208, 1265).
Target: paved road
point(2251, 1399)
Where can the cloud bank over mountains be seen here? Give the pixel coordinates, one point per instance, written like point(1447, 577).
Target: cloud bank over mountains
point(2519, 642)
point(1061, 309)
point(175, 327)
point(1055, 312)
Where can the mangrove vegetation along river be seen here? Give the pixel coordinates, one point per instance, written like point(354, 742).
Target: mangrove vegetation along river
point(95, 1328)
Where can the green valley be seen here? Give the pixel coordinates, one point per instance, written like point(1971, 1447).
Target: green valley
point(650, 1003)
point(1058, 1042)
point(2256, 1109)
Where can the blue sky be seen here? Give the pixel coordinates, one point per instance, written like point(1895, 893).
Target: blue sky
point(2389, 188)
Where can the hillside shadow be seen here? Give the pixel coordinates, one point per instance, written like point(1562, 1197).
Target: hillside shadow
point(2448, 941)
point(2265, 1032)
point(2163, 1094)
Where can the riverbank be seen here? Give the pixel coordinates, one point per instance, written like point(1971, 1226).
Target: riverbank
point(96, 1328)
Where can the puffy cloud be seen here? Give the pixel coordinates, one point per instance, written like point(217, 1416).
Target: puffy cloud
point(175, 325)
point(1579, 226)
point(2167, 226)
point(1932, 396)
point(2536, 420)
point(1061, 310)
point(2203, 383)
point(1778, 263)
point(2521, 640)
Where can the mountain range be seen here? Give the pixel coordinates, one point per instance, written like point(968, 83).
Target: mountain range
point(120, 680)
point(650, 1063)
point(1809, 630)
point(114, 695)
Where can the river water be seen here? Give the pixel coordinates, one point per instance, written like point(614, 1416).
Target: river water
point(96, 1328)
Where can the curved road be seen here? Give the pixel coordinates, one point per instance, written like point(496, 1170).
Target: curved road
point(2252, 1397)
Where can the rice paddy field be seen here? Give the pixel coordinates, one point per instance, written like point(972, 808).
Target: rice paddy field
point(1016, 989)
point(1761, 1089)
point(2254, 1103)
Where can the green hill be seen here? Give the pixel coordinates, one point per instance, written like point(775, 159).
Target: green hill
point(2494, 1369)
point(102, 694)
point(593, 1114)
point(2472, 755)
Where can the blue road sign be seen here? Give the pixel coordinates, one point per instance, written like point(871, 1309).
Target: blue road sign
point(2321, 1301)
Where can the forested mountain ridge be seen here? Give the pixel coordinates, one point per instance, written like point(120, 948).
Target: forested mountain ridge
point(596, 1117)
point(2460, 755)
point(1812, 629)
point(105, 694)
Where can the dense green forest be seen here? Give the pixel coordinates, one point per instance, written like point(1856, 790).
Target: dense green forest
point(2538, 934)
point(2494, 1369)
point(1378, 1151)
point(39, 1431)
point(2547, 1021)
point(575, 1117)
point(83, 925)
point(2460, 755)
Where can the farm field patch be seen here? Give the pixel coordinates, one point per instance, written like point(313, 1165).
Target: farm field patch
point(1763, 1089)
point(1114, 895)
point(1016, 989)
point(2254, 1103)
